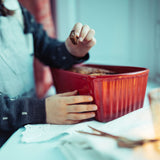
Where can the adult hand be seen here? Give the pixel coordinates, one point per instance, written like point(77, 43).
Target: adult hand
point(86, 40)
point(65, 108)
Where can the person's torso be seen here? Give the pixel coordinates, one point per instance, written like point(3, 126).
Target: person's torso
point(16, 56)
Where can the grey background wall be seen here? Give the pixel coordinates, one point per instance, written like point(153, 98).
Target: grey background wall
point(127, 31)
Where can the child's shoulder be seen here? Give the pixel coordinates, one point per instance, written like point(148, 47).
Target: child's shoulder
point(29, 20)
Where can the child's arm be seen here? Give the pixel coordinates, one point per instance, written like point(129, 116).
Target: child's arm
point(16, 112)
point(55, 53)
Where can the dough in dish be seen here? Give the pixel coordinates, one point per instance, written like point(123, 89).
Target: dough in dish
point(91, 70)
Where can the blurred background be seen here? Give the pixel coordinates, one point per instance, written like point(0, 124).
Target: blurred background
point(127, 31)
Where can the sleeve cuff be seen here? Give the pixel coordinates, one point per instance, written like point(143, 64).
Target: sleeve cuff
point(37, 113)
point(68, 58)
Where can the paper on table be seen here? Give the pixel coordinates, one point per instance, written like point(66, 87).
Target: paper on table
point(77, 147)
point(136, 124)
point(44, 132)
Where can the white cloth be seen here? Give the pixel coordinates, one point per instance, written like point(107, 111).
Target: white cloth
point(45, 132)
point(95, 148)
point(76, 146)
point(137, 124)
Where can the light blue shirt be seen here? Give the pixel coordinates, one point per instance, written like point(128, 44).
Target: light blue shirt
point(16, 56)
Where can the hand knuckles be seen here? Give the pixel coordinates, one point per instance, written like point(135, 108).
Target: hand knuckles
point(75, 99)
point(87, 38)
point(92, 43)
point(60, 100)
point(62, 105)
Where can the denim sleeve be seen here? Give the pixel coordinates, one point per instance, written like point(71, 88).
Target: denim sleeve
point(17, 112)
point(48, 50)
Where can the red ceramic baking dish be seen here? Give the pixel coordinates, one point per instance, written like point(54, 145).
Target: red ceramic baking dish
point(114, 94)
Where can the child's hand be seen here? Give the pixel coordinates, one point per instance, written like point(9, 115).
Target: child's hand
point(64, 108)
point(85, 41)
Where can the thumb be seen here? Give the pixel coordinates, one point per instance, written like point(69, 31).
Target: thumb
point(68, 93)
